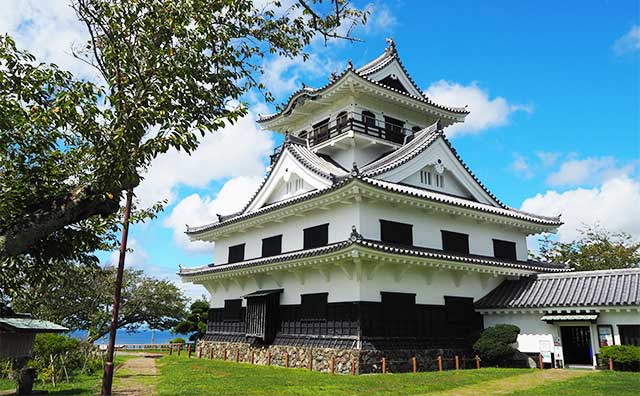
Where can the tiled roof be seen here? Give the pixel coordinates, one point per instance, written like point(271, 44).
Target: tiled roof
point(391, 187)
point(461, 202)
point(412, 251)
point(363, 73)
point(30, 325)
point(576, 289)
point(314, 162)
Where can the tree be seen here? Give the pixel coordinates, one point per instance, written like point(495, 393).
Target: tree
point(83, 301)
point(595, 249)
point(178, 68)
point(496, 342)
point(195, 322)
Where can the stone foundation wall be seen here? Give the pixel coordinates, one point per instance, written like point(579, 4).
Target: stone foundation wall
point(344, 360)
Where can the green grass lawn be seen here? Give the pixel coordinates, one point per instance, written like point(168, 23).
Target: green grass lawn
point(597, 384)
point(79, 385)
point(180, 376)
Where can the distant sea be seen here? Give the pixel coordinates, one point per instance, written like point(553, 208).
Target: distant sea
point(142, 336)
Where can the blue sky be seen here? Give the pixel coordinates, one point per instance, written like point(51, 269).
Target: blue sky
point(553, 87)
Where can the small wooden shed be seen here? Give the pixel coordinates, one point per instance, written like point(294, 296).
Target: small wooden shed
point(18, 332)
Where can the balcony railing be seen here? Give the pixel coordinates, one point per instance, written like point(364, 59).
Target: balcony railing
point(359, 123)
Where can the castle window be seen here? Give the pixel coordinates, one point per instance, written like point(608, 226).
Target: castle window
point(504, 249)
point(294, 186)
point(321, 130)
point(439, 181)
point(369, 118)
point(313, 306)
point(316, 236)
point(341, 120)
point(455, 242)
point(393, 128)
point(398, 233)
point(629, 334)
point(236, 253)
point(272, 246)
point(398, 306)
point(425, 177)
point(232, 310)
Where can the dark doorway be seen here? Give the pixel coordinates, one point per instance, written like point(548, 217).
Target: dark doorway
point(576, 344)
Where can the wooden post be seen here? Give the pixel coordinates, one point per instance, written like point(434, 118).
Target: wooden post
point(477, 361)
point(610, 364)
point(414, 364)
point(353, 367)
point(237, 355)
point(384, 365)
point(286, 359)
point(179, 347)
point(439, 363)
point(331, 363)
point(457, 363)
point(540, 361)
point(310, 362)
point(189, 350)
point(268, 358)
point(211, 352)
point(252, 357)
point(224, 357)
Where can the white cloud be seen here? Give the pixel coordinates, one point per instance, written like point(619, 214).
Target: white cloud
point(630, 42)
point(136, 256)
point(282, 76)
point(485, 113)
point(195, 210)
point(48, 29)
point(591, 170)
point(521, 167)
point(615, 205)
point(547, 158)
point(380, 19)
point(236, 150)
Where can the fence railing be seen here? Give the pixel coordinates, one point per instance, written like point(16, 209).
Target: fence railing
point(386, 130)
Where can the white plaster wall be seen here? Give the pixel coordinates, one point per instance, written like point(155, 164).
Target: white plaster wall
point(415, 280)
point(340, 288)
point(451, 184)
point(340, 218)
point(427, 227)
point(280, 192)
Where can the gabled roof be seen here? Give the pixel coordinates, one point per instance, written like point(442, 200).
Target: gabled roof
point(383, 186)
point(380, 247)
point(421, 142)
point(30, 325)
point(364, 74)
point(577, 289)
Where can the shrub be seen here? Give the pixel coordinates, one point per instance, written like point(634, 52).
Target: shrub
point(625, 357)
point(177, 340)
point(495, 343)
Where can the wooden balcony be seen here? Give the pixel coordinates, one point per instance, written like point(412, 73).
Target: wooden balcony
point(393, 132)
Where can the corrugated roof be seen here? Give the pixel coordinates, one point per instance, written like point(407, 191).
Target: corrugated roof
point(30, 325)
point(577, 289)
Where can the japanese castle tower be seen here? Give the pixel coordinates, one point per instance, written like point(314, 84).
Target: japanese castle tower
point(368, 237)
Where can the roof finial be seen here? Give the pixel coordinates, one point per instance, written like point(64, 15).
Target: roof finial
point(355, 235)
point(391, 45)
point(354, 169)
point(350, 64)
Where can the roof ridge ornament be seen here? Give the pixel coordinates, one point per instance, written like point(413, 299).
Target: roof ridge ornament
point(391, 46)
point(354, 169)
point(350, 65)
point(355, 235)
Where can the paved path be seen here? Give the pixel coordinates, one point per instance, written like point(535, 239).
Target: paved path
point(515, 383)
point(137, 377)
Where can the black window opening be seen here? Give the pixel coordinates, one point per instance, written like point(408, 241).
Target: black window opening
point(393, 82)
point(342, 120)
point(398, 233)
point(398, 306)
point(316, 236)
point(232, 310)
point(236, 253)
point(504, 249)
point(369, 118)
point(393, 128)
point(272, 246)
point(321, 130)
point(455, 242)
point(629, 334)
point(313, 306)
